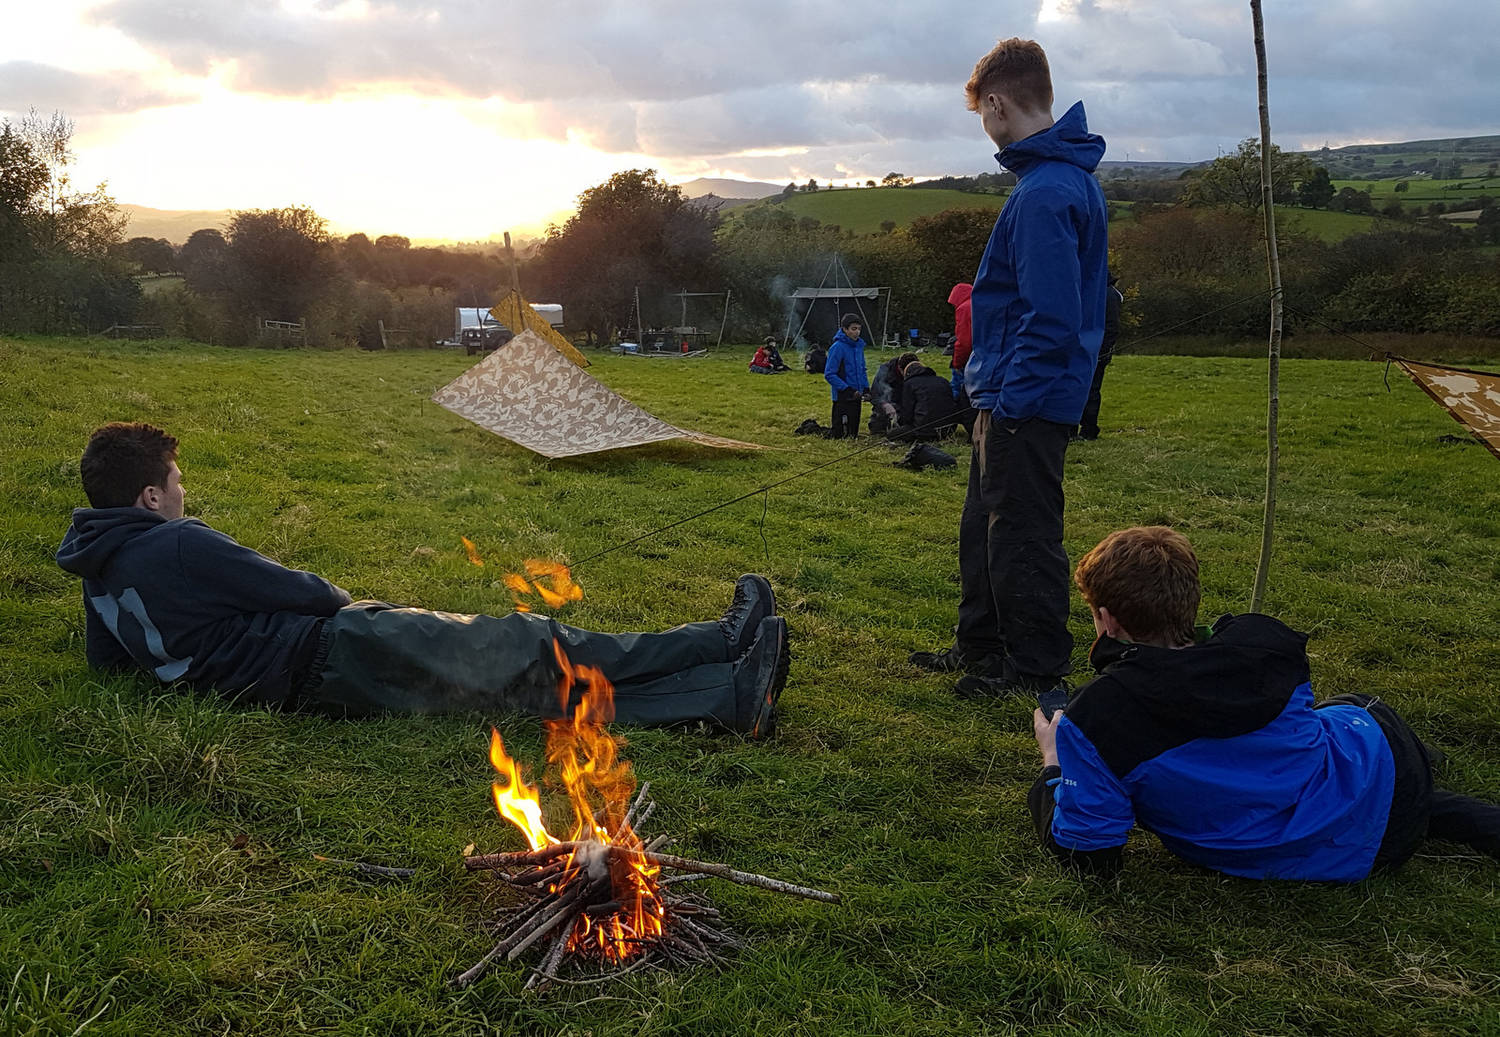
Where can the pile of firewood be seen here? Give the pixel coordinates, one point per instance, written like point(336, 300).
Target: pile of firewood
point(587, 886)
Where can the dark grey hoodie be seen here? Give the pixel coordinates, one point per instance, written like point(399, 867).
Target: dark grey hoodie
point(187, 603)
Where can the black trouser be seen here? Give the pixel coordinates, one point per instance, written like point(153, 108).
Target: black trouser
point(373, 657)
point(1418, 809)
point(846, 418)
point(1013, 568)
point(1088, 425)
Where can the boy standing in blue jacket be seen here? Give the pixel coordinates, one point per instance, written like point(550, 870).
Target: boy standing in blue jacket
point(1038, 317)
point(1210, 739)
point(845, 372)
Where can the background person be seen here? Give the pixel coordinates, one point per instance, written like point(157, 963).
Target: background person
point(926, 411)
point(1088, 425)
point(172, 597)
point(774, 355)
point(885, 393)
point(845, 373)
point(1211, 740)
point(760, 363)
point(816, 358)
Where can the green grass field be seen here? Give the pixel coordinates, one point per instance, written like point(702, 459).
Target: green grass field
point(864, 209)
point(1328, 226)
point(156, 870)
point(1421, 192)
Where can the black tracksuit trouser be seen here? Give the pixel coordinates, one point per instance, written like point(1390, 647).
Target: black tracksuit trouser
point(1013, 569)
point(373, 657)
point(846, 418)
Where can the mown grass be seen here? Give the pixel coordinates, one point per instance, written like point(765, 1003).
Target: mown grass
point(155, 847)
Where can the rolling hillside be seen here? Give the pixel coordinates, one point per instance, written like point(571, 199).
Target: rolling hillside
point(864, 209)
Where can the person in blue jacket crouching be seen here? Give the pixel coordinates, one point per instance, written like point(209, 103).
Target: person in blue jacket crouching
point(1211, 740)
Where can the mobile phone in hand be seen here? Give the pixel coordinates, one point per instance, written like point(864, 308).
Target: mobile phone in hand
point(1051, 701)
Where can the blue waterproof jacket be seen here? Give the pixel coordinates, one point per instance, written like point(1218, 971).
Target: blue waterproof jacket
point(185, 602)
point(1038, 302)
point(1217, 749)
point(845, 367)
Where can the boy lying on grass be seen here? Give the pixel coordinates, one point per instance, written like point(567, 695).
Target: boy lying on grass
point(1212, 742)
point(168, 595)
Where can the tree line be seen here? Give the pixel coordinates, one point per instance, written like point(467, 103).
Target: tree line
point(1183, 247)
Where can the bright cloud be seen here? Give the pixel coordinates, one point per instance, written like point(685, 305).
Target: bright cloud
point(464, 116)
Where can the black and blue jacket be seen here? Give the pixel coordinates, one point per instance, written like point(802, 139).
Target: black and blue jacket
point(185, 602)
point(1217, 749)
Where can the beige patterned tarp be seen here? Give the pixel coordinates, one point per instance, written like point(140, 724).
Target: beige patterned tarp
point(529, 393)
point(1472, 397)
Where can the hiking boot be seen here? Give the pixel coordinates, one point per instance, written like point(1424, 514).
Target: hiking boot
point(759, 676)
point(753, 602)
point(956, 660)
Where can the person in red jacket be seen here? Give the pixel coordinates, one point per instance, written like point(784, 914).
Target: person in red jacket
point(760, 363)
point(963, 344)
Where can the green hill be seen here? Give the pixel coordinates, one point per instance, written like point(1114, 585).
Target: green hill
point(864, 209)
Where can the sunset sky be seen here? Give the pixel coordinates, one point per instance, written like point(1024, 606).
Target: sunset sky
point(462, 118)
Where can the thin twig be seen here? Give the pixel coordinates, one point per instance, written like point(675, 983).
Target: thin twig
point(483, 861)
point(378, 870)
point(723, 871)
point(549, 964)
point(640, 797)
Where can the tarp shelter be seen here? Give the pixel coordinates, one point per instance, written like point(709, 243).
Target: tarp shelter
point(518, 315)
point(816, 312)
point(529, 393)
point(1472, 397)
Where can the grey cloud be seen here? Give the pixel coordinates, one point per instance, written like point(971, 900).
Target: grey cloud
point(26, 84)
point(873, 87)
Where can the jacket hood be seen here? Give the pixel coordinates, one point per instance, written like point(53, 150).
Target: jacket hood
point(1238, 680)
point(97, 533)
point(917, 371)
point(1066, 140)
point(960, 293)
point(843, 336)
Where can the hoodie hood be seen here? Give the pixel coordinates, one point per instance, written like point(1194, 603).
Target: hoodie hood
point(917, 371)
point(1066, 140)
point(960, 293)
point(1238, 680)
point(95, 534)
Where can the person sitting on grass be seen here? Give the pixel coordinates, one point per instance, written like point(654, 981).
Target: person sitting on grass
point(1211, 740)
point(760, 363)
point(774, 355)
point(927, 411)
point(173, 597)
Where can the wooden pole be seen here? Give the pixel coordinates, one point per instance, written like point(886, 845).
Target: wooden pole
point(515, 275)
point(723, 321)
point(1273, 265)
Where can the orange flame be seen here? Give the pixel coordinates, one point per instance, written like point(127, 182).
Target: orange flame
point(517, 801)
point(599, 785)
point(558, 590)
point(472, 551)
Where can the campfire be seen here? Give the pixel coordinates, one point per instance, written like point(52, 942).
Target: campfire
point(599, 898)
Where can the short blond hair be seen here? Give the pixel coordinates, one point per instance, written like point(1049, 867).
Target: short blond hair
point(1147, 576)
point(1016, 68)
